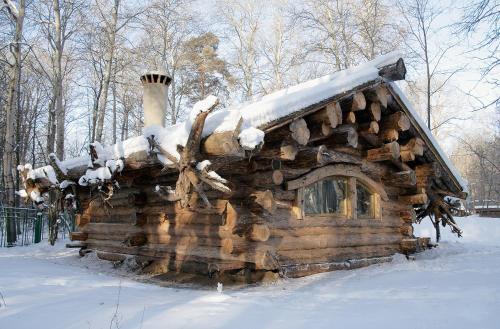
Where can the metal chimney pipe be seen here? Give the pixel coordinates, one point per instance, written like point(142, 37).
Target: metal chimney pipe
point(154, 99)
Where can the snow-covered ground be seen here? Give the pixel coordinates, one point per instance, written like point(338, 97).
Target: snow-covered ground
point(454, 286)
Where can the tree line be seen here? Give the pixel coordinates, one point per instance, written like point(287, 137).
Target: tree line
point(69, 69)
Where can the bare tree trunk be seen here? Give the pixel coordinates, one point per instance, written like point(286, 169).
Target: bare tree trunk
point(51, 126)
point(58, 82)
point(114, 111)
point(10, 106)
point(107, 71)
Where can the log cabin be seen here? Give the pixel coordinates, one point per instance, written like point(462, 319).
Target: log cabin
point(329, 174)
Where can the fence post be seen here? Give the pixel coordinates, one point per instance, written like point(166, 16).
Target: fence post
point(38, 227)
point(10, 228)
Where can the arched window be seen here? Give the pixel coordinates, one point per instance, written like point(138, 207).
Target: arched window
point(338, 191)
point(327, 196)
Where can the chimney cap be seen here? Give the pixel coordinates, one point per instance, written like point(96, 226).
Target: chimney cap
point(156, 77)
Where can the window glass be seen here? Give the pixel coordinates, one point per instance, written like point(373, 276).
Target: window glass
point(327, 196)
point(364, 201)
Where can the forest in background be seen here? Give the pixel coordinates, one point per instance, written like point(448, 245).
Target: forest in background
point(69, 69)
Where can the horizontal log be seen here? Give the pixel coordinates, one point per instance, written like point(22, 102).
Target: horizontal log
point(358, 102)
point(300, 132)
point(389, 151)
point(300, 270)
point(224, 143)
point(330, 115)
point(333, 241)
point(331, 230)
point(345, 135)
point(388, 135)
point(258, 232)
point(369, 128)
point(415, 146)
point(398, 121)
point(288, 257)
point(349, 117)
point(414, 199)
point(260, 257)
point(375, 111)
point(402, 179)
point(78, 236)
point(408, 216)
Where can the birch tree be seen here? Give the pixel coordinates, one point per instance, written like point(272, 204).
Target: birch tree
point(17, 13)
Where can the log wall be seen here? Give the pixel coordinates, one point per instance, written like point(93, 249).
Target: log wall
point(237, 233)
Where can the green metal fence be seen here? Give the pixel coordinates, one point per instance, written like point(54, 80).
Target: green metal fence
point(25, 226)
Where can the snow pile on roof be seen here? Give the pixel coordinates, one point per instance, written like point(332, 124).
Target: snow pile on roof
point(250, 138)
point(430, 137)
point(101, 174)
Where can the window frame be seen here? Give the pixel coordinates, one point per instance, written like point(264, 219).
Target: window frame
point(353, 175)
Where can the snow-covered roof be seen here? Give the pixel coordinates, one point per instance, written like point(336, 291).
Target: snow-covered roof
point(260, 114)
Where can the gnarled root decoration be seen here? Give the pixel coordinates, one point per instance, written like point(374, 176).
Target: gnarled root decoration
point(192, 174)
point(439, 211)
